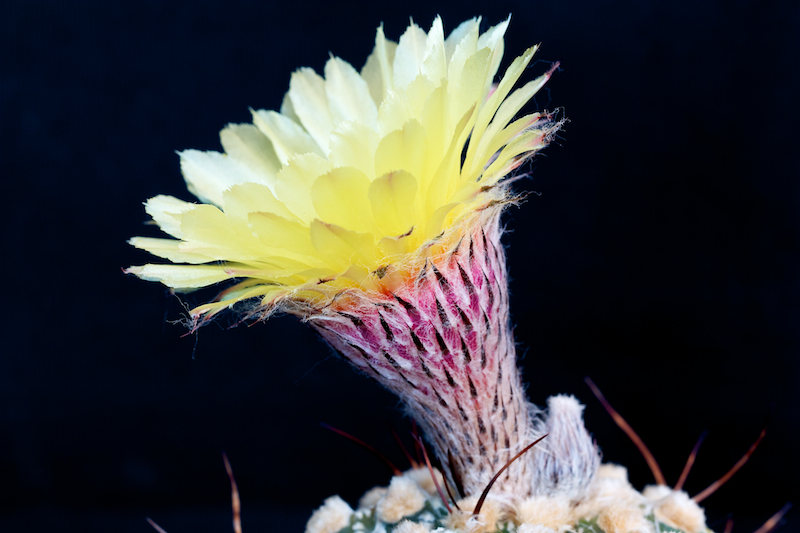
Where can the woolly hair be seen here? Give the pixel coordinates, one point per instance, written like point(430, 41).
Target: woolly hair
point(331, 517)
point(443, 343)
point(407, 526)
point(567, 460)
point(403, 498)
point(676, 508)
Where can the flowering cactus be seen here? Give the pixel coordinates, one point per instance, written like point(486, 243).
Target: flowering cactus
point(369, 207)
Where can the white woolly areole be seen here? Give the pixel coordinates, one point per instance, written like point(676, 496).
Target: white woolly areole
point(537, 528)
point(612, 471)
point(403, 498)
point(371, 498)
point(676, 508)
point(567, 460)
point(422, 477)
point(486, 521)
point(331, 517)
point(553, 512)
point(610, 486)
point(407, 526)
point(624, 518)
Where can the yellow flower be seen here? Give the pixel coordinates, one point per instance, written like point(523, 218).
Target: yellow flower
point(356, 178)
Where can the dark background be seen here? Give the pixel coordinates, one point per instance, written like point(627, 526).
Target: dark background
point(660, 256)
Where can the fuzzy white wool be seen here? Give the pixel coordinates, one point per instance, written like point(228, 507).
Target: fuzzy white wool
point(403, 498)
point(566, 462)
point(486, 521)
point(333, 515)
point(550, 511)
point(610, 486)
point(407, 526)
point(422, 477)
point(624, 518)
point(537, 528)
point(676, 508)
point(372, 497)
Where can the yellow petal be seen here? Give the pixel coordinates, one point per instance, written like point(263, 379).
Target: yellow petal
point(468, 90)
point(488, 110)
point(377, 71)
point(208, 231)
point(463, 31)
point(310, 103)
point(409, 55)
point(340, 197)
point(506, 112)
point(348, 94)
point(241, 200)
point(288, 138)
point(393, 199)
point(165, 211)
point(294, 182)
point(278, 232)
point(434, 64)
point(180, 276)
point(168, 249)
point(353, 144)
point(527, 142)
point(403, 149)
point(247, 144)
point(342, 248)
point(209, 174)
point(493, 39)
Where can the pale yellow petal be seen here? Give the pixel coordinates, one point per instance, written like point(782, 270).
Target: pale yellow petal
point(393, 199)
point(310, 103)
point(507, 110)
point(493, 39)
point(348, 94)
point(294, 182)
point(342, 248)
point(403, 149)
point(341, 197)
point(404, 105)
point(168, 249)
point(353, 145)
point(434, 64)
point(435, 223)
point(209, 174)
point(208, 231)
point(287, 109)
point(247, 144)
point(436, 121)
point(165, 211)
point(377, 71)
point(181, 276)
point(466, 28)
point(463, 49)
point(527, 142)
point(467, 91)
point(440, 182)
point(278, 232)
point(499, 140)
point(486, 113)
point(288, 138)
point(408, 56)
point(241, 200)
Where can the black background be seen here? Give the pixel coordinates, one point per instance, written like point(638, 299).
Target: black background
point(660, 256)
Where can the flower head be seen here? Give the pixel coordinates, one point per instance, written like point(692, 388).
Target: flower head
point(357, 179)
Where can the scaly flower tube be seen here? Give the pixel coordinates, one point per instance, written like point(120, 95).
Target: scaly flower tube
point(369, 206)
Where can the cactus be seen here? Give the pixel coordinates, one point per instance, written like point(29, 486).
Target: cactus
point(370, 208)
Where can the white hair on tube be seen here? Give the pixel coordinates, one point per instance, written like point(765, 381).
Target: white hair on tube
point(567, 462)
